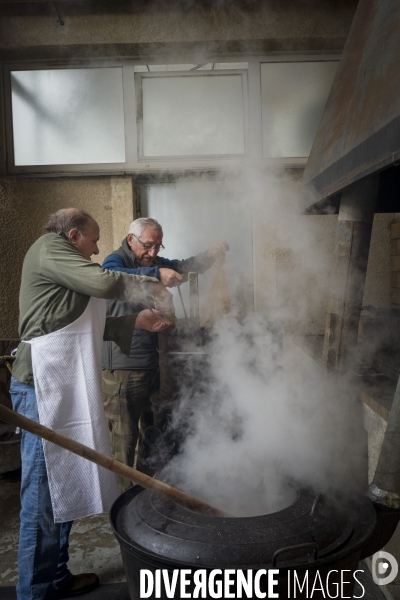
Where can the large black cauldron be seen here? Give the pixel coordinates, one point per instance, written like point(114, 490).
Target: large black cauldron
point(310, 535)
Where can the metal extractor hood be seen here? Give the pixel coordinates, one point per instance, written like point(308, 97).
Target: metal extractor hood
point(359, 133)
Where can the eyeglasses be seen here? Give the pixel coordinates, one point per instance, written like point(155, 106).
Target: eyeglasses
point(149, 246)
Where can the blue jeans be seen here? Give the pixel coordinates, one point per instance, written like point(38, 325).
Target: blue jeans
point(43, 544)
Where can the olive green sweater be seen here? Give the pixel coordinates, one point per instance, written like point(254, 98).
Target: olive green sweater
point(56, 285)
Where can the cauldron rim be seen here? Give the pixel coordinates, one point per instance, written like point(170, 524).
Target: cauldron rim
point(347, 548)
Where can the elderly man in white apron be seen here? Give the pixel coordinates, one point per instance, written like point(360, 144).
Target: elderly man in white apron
point(57, 382)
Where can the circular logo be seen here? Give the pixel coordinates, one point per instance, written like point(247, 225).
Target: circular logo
point(384, 568)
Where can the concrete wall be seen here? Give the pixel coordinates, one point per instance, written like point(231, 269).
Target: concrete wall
point(293, 256)
point(303, 276)
point(134, 25)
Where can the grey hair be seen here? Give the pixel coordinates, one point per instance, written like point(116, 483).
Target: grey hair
point(138, 225)
point(66, 219)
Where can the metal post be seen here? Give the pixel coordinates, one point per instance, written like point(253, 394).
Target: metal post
point(194, 298)
point(387, 474)
point(353, 238)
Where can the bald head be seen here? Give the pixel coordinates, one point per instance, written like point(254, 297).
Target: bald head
point(79, 227)
point(66, 219)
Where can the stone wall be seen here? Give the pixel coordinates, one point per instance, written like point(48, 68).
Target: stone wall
point(25, 205)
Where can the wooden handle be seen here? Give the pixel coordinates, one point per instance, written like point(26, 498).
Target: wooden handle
point(10, 416)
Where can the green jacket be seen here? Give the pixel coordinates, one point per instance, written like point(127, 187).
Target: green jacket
point(56, 285)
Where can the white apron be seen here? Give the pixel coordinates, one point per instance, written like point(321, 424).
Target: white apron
point(67, 376)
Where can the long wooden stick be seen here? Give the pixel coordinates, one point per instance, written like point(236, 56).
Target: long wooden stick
point(10, 416)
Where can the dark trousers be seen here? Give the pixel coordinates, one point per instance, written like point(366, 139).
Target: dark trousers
point(126, 398)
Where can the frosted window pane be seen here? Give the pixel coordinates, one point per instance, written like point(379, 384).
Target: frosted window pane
point(196, 115)
point(293, 100)
point(68, 116)
point(194, 216)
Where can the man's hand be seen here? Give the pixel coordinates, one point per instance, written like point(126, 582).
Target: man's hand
point(151, 320)
point(170, 278)
point(163, 299)
point(218, 250)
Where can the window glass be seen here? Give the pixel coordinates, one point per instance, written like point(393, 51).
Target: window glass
point(68, 116)
point(294, 95)
point(193, 115)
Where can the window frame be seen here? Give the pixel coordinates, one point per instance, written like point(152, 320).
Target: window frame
point(135, 161)
point(139, 77)
point(61, 169)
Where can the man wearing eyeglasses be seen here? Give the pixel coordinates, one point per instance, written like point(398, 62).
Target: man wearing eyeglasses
point(129, 382)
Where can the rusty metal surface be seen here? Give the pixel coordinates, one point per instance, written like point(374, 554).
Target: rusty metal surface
point(353, 237)
point(352, 246)
point(359, 133)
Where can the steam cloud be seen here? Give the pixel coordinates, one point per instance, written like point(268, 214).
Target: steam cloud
point(258, 429)
point(259, 425)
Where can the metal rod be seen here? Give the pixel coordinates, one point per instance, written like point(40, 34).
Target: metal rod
point(315, 504)
point(194, 297)
point(312, 545)
point(183, 304)
point(8, 360)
